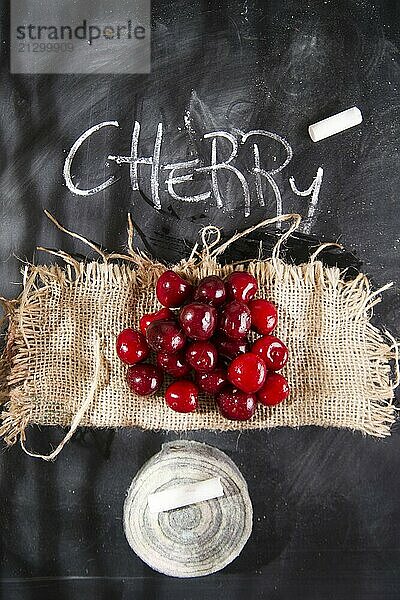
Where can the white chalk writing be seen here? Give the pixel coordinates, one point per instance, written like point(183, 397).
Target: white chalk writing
point(313, 190)
point(183, 171)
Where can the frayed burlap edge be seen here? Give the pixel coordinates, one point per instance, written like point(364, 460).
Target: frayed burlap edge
point(18, 393)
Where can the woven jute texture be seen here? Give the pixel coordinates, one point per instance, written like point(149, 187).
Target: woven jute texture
point(60, 357)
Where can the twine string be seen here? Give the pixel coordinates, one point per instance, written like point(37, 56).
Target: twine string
point(375, 297)
point(79, 414)
point(193, 253)
point(322, 247)
point(285, 236)
point(206, 239)
point(130, 236)
point(66, 257)
point(264, 223)
point(395, 348)
point(28, 284)
point(76, 236)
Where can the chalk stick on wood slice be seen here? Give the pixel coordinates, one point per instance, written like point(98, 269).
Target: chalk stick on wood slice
point(199, 538)
point(335, 124)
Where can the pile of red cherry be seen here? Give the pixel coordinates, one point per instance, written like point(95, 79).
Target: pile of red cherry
point(209, 335)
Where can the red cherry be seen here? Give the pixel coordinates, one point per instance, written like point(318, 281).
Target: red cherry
point(161, 315)
point(173, 364)
point(236, 405)
point(198, 320)
point(247, 372)
point(144, 380)
point(132, 346)
point(172, 290)
point(241, 286)
point(229, 348)
point(202, 356)
point(272, 350)
point(211, 290)
point(235, 320)
point(275, 390)
point(182, 396)
point(264, 316)
point(165, 336)
point(212, 383)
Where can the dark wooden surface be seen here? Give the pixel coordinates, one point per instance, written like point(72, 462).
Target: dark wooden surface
point(325, 501)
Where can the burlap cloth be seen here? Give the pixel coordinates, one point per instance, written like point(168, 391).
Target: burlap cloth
point(60, 367)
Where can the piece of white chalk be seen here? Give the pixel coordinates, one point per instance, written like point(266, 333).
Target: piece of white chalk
point(335, 124)
point(185, 494)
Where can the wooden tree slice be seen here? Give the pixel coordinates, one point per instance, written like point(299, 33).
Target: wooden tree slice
point(194, 540)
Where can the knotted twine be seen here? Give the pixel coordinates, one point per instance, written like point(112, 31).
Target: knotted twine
point(59, 365)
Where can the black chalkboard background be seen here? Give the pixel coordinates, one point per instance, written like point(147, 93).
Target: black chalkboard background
point(326, 504)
